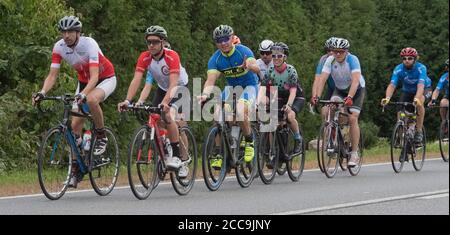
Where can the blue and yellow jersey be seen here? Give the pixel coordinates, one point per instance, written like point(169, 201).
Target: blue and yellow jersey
point(229, 65)
point(409, 78)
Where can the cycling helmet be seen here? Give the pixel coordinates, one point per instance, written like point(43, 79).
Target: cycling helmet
point(265, 45)
point(281, 46)
point(156, 30)
point(340, 43)
point(330, 42)
point(222, 31)
point(409, 51)
point(236, 40)
point(69, 23)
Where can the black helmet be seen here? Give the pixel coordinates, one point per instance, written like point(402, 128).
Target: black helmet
point(69, 23)
point(156, 30)
point(281, 46)
point(223, 31)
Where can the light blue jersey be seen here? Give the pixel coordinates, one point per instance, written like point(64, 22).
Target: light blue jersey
point(342, 72)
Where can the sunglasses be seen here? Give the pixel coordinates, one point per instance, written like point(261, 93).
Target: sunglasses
point(278, 56)
point(265, 53)
point(223, 39)
point(408, 58)
point(339, 52)
point(153, 42)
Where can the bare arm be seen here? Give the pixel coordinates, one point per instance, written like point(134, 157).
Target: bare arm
point(50, 80)
point(355, 84)
point(134, 85)
point(145, 92)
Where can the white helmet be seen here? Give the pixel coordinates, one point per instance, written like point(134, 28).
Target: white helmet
point(340, 43)
point(265, 45)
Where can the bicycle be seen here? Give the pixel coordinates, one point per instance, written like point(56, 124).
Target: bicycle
point(230, 153)
point(403, 146)
point(443, 135)
point(278, 148)
point(334, 145)
point(58, 147)
point(148, 149)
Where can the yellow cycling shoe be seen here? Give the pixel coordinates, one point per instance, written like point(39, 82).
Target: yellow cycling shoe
point(249, 153)
point(216, 164)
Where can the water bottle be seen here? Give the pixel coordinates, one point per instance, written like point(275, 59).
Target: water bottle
point(346, 133)
point(235, 131)
point(169, 148)
point(87, 136)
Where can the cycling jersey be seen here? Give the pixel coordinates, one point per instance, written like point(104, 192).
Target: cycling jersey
point(410, 78)
point(85, 55)
point(263, 67)
point(443, 84)
point(342, 72)
point(229, 64)
point(319, 68)
point(285, 80)
point(160, 71)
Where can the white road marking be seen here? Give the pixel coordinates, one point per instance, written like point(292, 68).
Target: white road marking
point(363, 203)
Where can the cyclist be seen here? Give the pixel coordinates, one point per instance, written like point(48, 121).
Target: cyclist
point(413, 76)
point(164, 68)
point(237, 63)
point(284, 77)
point(350, 85)
point(330, 82)
point(442, 86)
point(96, 79)
point(266, 57)
point(236, 40)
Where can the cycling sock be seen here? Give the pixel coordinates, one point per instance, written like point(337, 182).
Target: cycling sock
point(297, 136)
point(176, 149)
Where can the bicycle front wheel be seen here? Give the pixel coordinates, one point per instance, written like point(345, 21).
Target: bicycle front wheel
point(142, 164)
point(268, 159)
point(329, 150)
point(418, 156)
point(246, 171)
point(214, 159)
point(443, 140)
point(54, 164)
point(188, 151)
point(398, 148)
point(104, 168)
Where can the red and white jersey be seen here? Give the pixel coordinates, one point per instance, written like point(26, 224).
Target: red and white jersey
point(86, 54)
point(160, 70)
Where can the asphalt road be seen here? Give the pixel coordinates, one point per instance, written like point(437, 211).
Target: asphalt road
point(376, 190)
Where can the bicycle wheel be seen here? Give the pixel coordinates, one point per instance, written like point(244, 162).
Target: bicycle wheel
point(104, 169)
point(296, 164)
point(213, 153)
point(54, 164)
point(188, 151)
point(354, 171)
point(419, 153)
point(330, 150)
point(443, 140)
point(246, 171)
point(268, 159)
point(142, 164)
point(319, 146)
point(398, 147)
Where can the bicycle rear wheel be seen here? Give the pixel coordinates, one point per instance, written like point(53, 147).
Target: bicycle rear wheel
point(296, 164)
point(354, 171)
point(246, 171)
point(214, 175)
point(268, 159)
point(398, 148)
point(142, 164)
point(54, 164)
point(443, 140)
point(188, 151)
point(418, 156)
point(330, 150)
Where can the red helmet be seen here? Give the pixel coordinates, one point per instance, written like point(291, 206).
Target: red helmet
point(409, 51)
